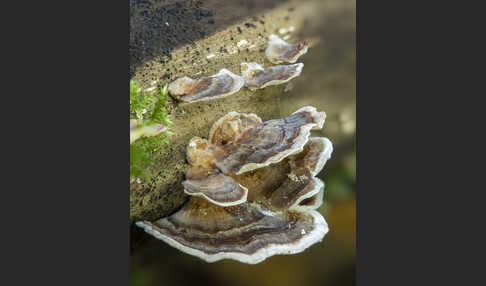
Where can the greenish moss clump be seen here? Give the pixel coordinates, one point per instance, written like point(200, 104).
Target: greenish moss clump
point(148, 109)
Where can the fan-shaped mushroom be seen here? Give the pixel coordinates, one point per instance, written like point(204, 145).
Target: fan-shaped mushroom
point(222, 84)
point(251, 213)
point(279, 51)
point(246, 232)
point(258, 77)
point(218, 188)
point(269, 142)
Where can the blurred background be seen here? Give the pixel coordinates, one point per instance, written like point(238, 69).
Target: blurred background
point(328, 82)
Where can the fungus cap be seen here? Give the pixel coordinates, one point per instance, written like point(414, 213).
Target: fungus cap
point(314, 156)
point(311, 203)
point(222, 84)
point(279, 51)
point(258, 77)
point(295, 190)
point(217, 188)
point(232, 126)
point(246, 233)
point(269, 142)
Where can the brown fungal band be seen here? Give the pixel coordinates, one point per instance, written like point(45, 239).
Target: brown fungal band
point(222, 84)
point(275, 213)
point(279, 51)
point(258, 77)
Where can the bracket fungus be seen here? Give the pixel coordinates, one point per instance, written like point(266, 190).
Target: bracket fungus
point(275, 162)
point(269, 142)
point(258, 77)
point(222, 84)
point(217, 188)
point(279, 51)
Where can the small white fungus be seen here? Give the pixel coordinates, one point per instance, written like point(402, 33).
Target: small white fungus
point(242, 43)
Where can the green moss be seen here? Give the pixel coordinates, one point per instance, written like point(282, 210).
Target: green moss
point(148, 109)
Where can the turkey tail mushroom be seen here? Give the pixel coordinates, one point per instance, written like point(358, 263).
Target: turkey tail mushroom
point(204, 180)
point(279, 51)
point(250, 216)
point(217, 188)
point(270, 141)
point(222, 84)
point(246, 233)
point(258, 77)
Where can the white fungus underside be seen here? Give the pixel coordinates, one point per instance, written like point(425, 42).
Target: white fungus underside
point(316, 235)
point(227, 204)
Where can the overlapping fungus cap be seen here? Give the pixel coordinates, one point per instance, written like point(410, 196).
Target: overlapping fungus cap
point(269, 142)
point(222, 84)
point(279, 214)
point(204, 180)
point(230, 127)
point(258, 77)
point(246, 233)
point(279, 51)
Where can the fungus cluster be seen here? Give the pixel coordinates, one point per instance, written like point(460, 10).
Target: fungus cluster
point(253, 189)
point(254, 76)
